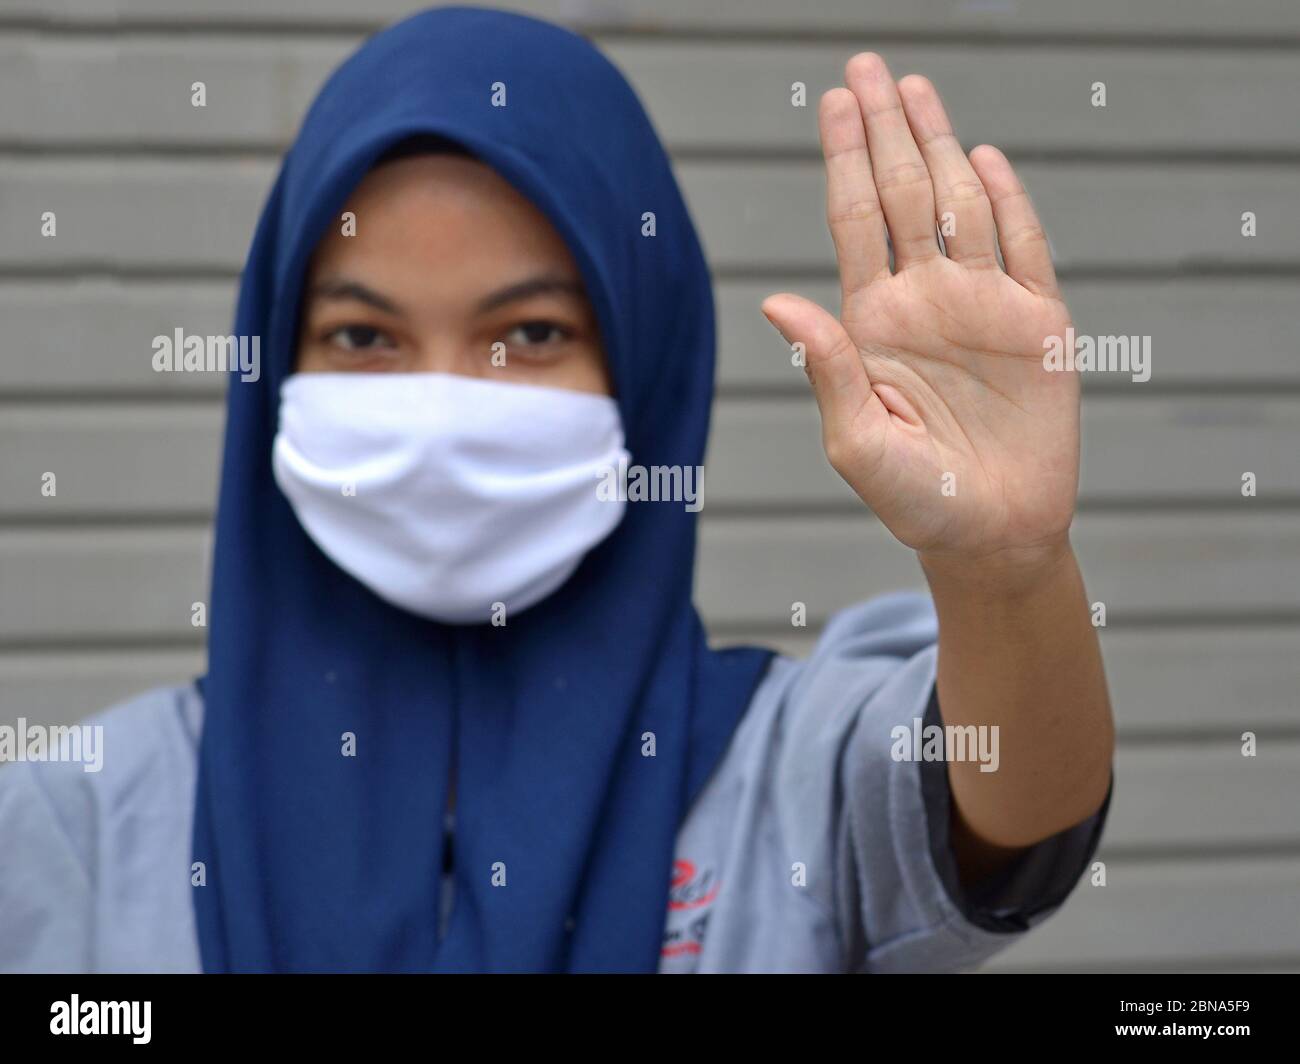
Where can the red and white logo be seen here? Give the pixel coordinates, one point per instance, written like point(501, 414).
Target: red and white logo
point(689, 895)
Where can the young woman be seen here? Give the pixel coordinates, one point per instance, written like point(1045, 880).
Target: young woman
point(460, 713)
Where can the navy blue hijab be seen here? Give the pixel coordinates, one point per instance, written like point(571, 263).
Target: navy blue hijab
point(319, 862)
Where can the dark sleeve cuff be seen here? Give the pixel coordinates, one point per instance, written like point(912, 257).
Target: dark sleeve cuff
point(1034, 883)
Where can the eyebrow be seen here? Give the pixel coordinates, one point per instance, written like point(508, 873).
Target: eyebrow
point(343, 288)
point(543, 284)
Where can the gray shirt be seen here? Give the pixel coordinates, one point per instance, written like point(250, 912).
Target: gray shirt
point(810, 849)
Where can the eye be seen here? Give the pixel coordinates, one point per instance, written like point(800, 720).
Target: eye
point(532, 333)
point(360, 338)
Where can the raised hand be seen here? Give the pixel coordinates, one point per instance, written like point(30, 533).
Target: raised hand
point(935, 403)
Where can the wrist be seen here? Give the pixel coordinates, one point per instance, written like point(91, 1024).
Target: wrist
point(1008, 571)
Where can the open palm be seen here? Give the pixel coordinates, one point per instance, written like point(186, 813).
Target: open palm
point(936, 406)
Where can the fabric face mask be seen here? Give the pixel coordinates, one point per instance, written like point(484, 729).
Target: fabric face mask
point(446, 494)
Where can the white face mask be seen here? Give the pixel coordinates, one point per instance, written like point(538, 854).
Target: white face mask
point(446, 494)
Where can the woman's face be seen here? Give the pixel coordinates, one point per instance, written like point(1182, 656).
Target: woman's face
point(450, 270)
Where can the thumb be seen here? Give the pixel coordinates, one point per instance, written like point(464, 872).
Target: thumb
point(832, 360)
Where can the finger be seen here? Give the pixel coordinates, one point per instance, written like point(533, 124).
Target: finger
point(1024, 244)
point(852, 206)
point(832, 361)
point(902, 178)
point(961, 203)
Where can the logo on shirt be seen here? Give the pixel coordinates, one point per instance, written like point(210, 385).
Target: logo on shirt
point(690, 894)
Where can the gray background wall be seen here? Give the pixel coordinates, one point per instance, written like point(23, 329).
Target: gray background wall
point(1143, 201)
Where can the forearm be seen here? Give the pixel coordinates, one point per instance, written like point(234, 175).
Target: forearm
point(1017, 650)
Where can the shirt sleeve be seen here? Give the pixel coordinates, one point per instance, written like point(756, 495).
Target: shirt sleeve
point(894, 893)
point(46, 898)
point(1028, 889)
point(95, 865)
